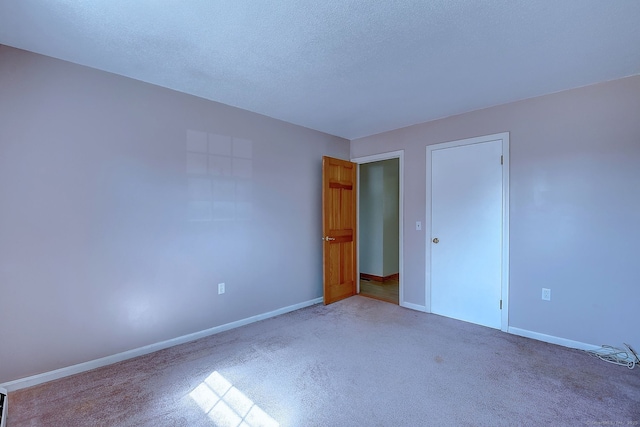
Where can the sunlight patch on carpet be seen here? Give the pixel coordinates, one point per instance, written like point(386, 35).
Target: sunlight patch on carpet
point(227, 406)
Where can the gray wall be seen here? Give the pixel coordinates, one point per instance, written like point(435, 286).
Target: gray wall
point(378, 217)
point(574, 204)
point(114, 233)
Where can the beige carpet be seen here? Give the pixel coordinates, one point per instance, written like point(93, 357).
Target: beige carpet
point(359, 362)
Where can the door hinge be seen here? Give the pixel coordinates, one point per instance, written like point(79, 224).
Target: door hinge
point(502, 160)
point(500, 304)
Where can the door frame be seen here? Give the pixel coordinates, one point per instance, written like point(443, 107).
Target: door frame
point(376, 158)
point(504, 136)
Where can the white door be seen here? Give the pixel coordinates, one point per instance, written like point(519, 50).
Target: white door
point(466, 232)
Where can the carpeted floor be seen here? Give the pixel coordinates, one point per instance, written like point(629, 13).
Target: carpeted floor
point(358, 362)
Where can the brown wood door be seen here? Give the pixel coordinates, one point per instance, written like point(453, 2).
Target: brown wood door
point(339, 228)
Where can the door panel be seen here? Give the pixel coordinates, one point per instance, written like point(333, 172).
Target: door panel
point(339, 228)
point(466, 220)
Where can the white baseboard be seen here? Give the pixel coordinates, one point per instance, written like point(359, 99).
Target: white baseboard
point(412, 306)
point(108, 360)
point(552, 339)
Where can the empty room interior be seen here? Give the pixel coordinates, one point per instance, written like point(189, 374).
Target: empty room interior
point(233, 213)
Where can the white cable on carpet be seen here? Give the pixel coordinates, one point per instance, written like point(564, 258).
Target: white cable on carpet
point(617, 356)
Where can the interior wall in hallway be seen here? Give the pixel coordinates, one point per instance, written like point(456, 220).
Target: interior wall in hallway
point(379, 218)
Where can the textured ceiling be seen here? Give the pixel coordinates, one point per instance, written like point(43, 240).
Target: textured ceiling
point(348, 68)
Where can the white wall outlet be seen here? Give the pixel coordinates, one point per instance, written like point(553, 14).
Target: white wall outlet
point(418, 225)
point(546, 294)
point(220, 288)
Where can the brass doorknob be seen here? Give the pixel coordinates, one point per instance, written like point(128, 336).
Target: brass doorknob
point(436, 240)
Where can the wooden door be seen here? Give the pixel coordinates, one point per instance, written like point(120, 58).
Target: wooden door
point(339, 229)
point(466, 232)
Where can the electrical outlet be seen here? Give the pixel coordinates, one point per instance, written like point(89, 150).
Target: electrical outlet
point(220, 288)
point(546, 294)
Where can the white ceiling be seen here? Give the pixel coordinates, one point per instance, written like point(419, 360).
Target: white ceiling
point(345, 67)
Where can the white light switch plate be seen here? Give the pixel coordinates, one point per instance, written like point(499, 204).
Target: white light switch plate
point(418, 225)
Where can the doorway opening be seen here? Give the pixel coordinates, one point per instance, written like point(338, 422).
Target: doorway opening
point(380, 195)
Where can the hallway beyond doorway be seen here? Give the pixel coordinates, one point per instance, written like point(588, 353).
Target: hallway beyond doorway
point(387, 291)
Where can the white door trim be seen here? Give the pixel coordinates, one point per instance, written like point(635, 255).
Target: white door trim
point(376, 158)
point(504, 136)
